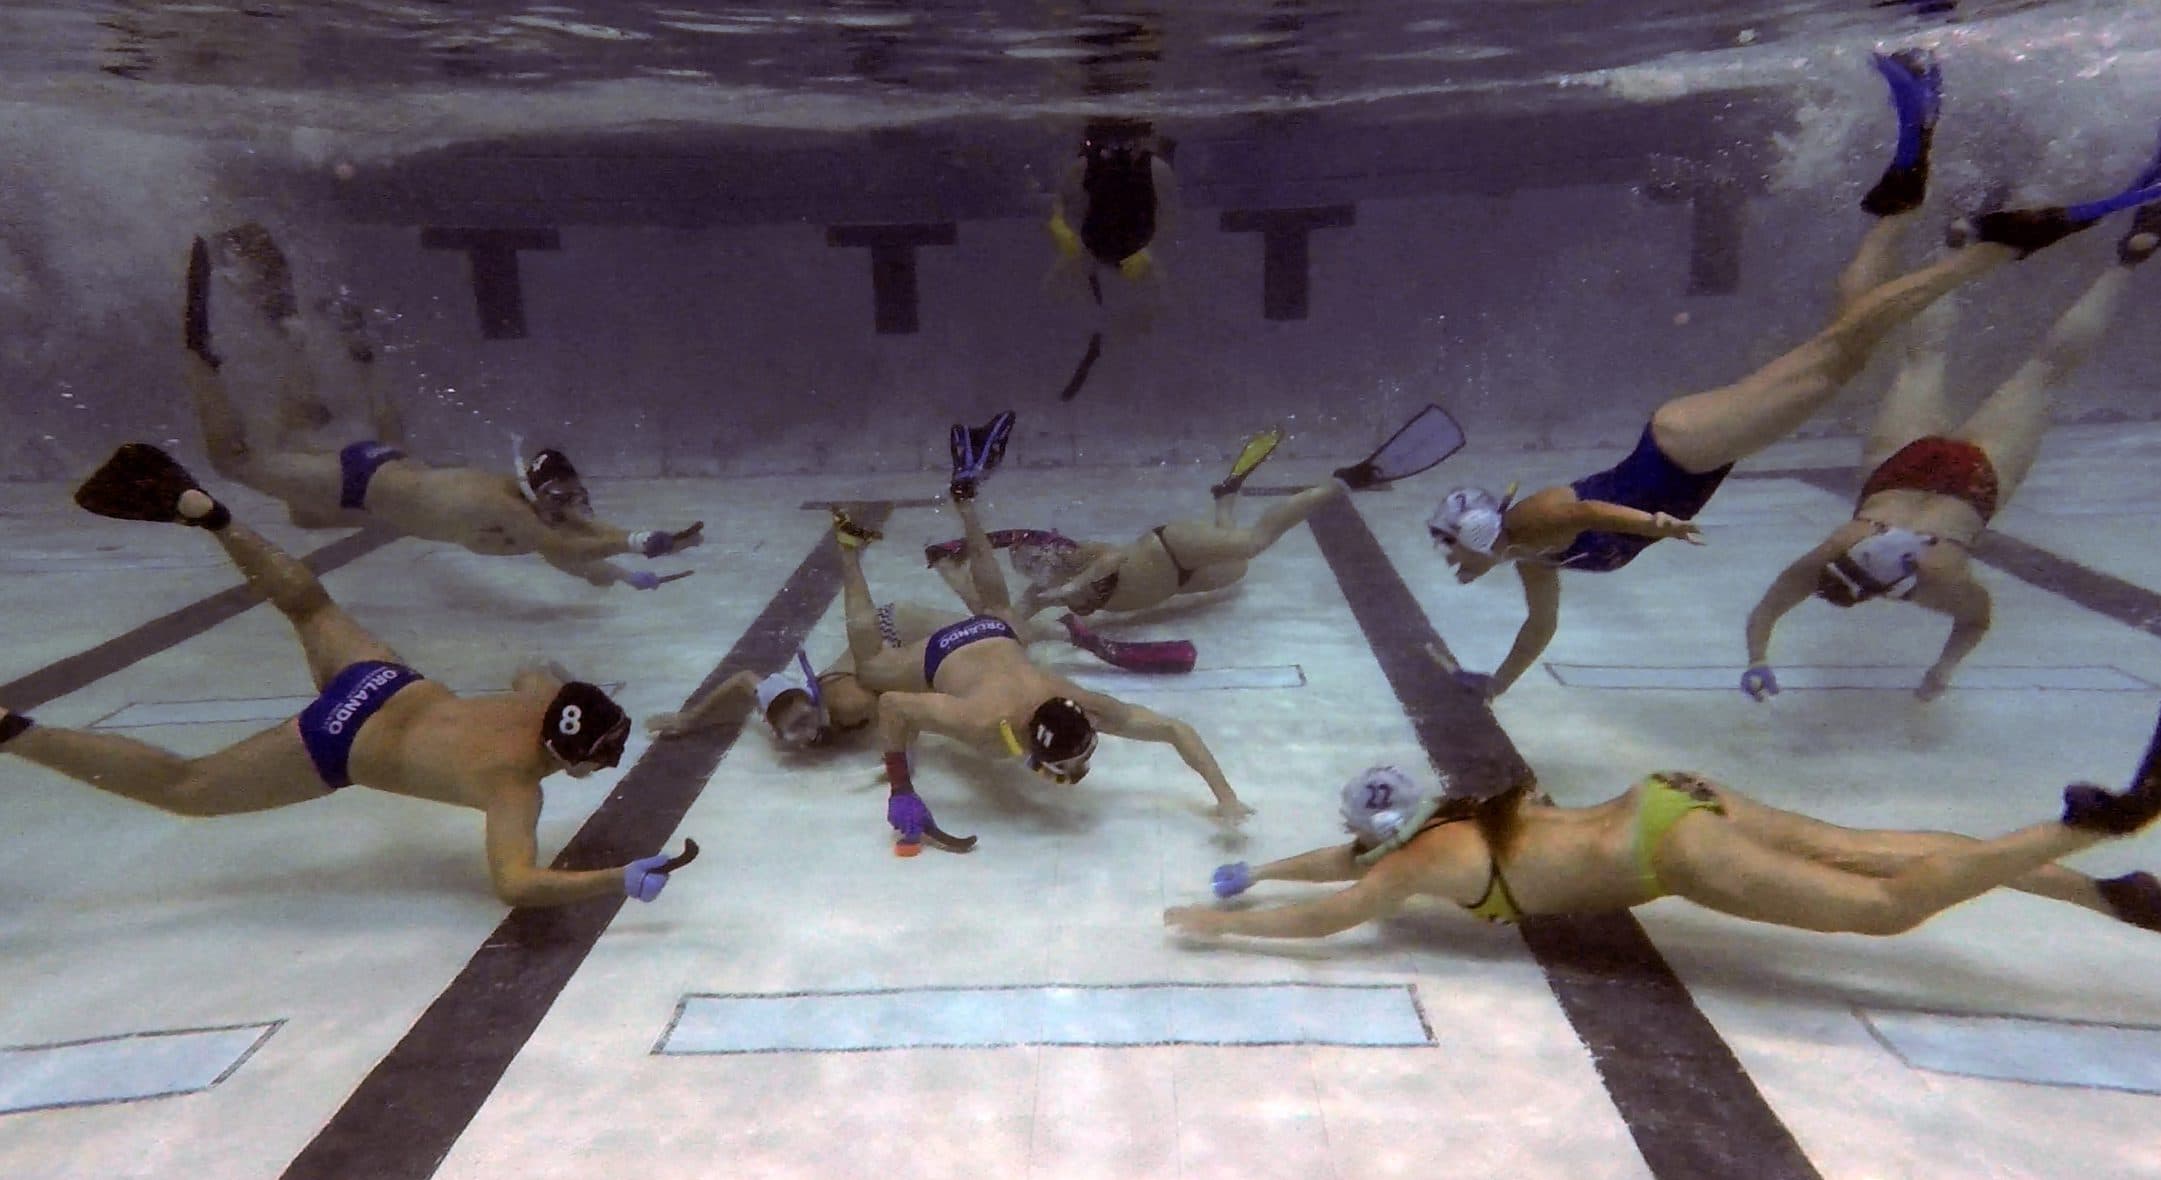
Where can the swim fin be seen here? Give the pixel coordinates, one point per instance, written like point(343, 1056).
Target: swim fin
point(141, 482)
point(977, 451)
point(1917, 94)
point(938, 551)
point(1170, 657)
point(2135, 898)
point(1429, 437)
point(2097, 809)
point(1255, 453)
point(195, 322)
point(850, 534)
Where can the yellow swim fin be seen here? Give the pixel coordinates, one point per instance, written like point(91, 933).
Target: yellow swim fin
point(1136, 266)
point(1069, 243)
point(1255, 453)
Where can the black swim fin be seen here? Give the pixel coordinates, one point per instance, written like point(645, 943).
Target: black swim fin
point(1429, 437)
point(195, 322)
point(141, 482)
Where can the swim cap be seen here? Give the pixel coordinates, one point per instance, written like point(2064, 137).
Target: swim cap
point(549, 466)
point(1884, 564)
point(1470, 517)
point(780, 684)
point(1059, 731)
point(583, 725)
point(1379, 803)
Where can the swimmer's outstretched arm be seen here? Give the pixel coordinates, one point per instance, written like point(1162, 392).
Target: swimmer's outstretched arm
point(1542, 600)
point(514, 868)
point(1967, 602)
point(1337, 862)
point(1793, 586)
point(709, 710)
point(1095, 571)
point(1600, 516)
point(1119, 719)
point(1376, 895)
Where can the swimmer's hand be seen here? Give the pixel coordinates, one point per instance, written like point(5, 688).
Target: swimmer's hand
point(648, 580)
point(1193, 919)
point(645, 877)
point(1233, 879)
point(1934, 683)
point(1232, 811)
point(1675, 528)
point(1477, 682)
point(661, 542)
point(1759, 682)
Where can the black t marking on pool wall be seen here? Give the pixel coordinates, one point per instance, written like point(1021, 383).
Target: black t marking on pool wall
point(409, 1111)
point(58, 679)
point(1690, 1106)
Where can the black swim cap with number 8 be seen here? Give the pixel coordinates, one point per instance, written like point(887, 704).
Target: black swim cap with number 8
point(583, 725)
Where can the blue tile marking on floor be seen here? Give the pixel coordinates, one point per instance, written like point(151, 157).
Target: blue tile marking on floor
point(1805, 678)
point(124, 1068)
point(2022, 1049)
point(1354, 1015)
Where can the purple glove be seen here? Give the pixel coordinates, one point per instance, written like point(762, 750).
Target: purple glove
point(1477, 682)
point(642, 878)
point(642, 580)
point(661, 542)
point(1233, 879)
point(909, 815)
point(1759, 682)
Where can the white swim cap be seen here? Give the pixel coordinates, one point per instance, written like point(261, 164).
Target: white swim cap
point(1379, 802)
point(781, 683)
point(1885, 563)
point(1470, 517)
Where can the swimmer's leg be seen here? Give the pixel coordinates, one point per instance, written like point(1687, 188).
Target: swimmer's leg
point(268, 770)
point(1705, 431)
point(1915, 405)
point(329, 636)
point(1884, 853)
point(991, 592)
point(1712, 861)
point(864, 639)
point(1194, 544)
point(2009, 425)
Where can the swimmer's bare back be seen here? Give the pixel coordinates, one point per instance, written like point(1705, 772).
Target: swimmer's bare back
point(428, 743)
point(464, 506)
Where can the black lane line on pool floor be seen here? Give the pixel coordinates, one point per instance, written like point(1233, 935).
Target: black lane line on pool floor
point(1691, 1107)
point(409, 1111)
point(2132, 605)
point(58, 679)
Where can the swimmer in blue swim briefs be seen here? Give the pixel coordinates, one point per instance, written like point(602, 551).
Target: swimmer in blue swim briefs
point(972, 681)
point(541, 506)
point(375, 722)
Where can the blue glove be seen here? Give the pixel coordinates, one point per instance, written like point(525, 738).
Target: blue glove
point(1759, 682)
point(641, 880)
point(661, 542)
point(1233, 879)
point(909, 815)
point(1477, 682)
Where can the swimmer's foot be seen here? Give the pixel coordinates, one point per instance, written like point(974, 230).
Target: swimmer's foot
point(1255, 453)
point(141, 482)
point(351, 321)
point(2097, 809)
point(850, 534)
point(2145, 236)
point(2135, 898)
point(195, 321)
point(1916, 85)
point(1360, 477)
point(977, 451)
point(2024, 230)
point(12, 724)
